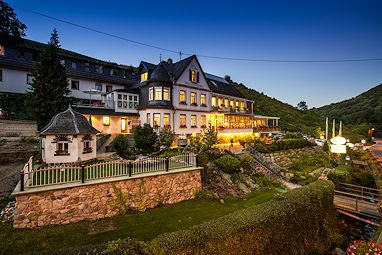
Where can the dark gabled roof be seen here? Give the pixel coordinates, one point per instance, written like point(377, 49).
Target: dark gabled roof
point(37, 46)
point(161, 73)
point(68, 122)
point(181, 65)
point(220, 85)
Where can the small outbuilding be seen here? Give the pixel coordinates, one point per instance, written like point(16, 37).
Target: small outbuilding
point(68, 138)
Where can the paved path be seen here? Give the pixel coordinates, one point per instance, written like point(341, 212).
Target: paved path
point(376, 150)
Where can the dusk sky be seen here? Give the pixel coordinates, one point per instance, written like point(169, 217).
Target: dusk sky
point(286, 30)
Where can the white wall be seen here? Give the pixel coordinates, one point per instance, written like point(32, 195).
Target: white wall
point(14, 81)
point(185, 80)
point(88, 85)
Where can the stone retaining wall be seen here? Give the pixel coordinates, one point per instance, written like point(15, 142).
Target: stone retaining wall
point(96, 201)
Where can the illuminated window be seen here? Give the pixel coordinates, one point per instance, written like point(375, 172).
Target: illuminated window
point(194, 76)
point(203, 121)
point(193, 98)
point(213, 102)
point(242, 105)
point(158, 93)
point(151, 94)
point(182, 120)
point(148, 119)
point(193, 121)
point(203, 100)
point(166, 94)
point(166, 119)
point(226, 103)
point(106, 120)
point(221, 102)
point(237, 104)
point(2, 50)
point(144, 76)
point(156, 119)
point(231, 103)
point(182, 97)
point(123, 124)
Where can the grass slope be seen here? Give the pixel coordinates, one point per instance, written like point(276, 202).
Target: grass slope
point(142, 226)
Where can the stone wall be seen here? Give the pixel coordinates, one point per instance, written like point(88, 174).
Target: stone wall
point(96, 201)
point(17, 128)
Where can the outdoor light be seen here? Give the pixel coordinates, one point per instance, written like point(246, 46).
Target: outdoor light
point(106, 120)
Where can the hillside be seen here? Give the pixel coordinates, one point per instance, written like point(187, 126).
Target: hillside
point(364, 109)
point(291, 118)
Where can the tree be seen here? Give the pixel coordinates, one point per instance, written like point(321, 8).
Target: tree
point(228, 78)
point(121, 145)
point(10, 25)
point(302, 106)
point(319, 132)
point(145, 138)
point(209, 139)
point(49, 89)
point(166, 137)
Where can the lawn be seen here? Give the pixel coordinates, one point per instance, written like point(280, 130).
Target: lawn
point(142, 226)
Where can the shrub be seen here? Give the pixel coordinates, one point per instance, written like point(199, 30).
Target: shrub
point(246, 160)
point(121, 145)
point(300, 222)
point(166, 137)
point(340, 174)
point(145, 138)
point(228, 164)
point(125, 247)
point(283, 144)
point(267, 182)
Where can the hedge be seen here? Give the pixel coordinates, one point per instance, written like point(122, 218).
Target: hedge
point(283, 144)
point(300, 222)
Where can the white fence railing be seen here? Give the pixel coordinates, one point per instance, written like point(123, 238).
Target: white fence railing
point(60, 174)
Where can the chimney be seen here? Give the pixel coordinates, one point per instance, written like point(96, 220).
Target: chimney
point(169, 61)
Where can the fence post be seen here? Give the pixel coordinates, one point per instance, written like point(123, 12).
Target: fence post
point(356, 203)
point(197, 160)
point(130, 168)
point(22, 181)
point(83, 174)
point(167, 163)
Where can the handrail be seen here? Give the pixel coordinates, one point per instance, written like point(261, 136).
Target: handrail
point(357, 195)
point(349, 184)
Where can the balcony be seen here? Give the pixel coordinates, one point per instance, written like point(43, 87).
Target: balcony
point(237, 110)
point(266, 129)
point(109, 104)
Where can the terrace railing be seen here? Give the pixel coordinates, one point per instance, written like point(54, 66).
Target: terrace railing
point(61, 174)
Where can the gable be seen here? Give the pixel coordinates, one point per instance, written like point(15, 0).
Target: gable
point(184, 77)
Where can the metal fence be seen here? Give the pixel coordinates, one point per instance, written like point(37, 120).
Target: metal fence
point(59, 174)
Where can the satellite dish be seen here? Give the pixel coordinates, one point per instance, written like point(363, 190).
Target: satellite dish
point(338, 140)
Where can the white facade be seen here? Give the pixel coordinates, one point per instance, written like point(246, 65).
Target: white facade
point(76, 152)
point(14, 81)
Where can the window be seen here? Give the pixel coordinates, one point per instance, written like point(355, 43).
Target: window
point(62, 62)
point(156, 119)
point(87, 67)
point(2, 50)
point(62, 148)
point(114, 72)
point(193, 121)
point(193, 98)
point(98, 86)
point(35, 57)
point(213, 102)
point(182, 97)
point(203, 100)
point(182, 120)
point(87, 143)
point(99, 69)
point(166, 119)
point(1, 75)
point(74, 65)
point(237, 104)
point(242, 105)
point(148, 119)
point(203, 121)
point(231, 103)
point(20, 54)
point(123, 125)
point(158, 93)
point(144, 76)
point(226, 103)
point(30, 79)
point(106, 120)
point(221, 104)
point(109, 88)
point(75, 84)
point(151, 94)
point(166, 94)
point(194, 76)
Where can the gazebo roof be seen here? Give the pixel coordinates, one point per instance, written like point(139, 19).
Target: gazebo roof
point(68, 122)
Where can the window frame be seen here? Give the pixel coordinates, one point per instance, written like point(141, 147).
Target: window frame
point(144, 76)
point(98, 84)
point(155, 117)
point(109, 88)
point(203, 100)
point(166, 116)
point(30, 82)
point(151, 94)
point(184, 95)
point(193, 98)
point(203, 118)
point(158, 95)
point(75, 81)
point(182, 117)
point(193, 121)
point(148, 118)
point(166, 94)
point(214, 99)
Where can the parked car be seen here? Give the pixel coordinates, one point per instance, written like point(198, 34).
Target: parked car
point(319, 142)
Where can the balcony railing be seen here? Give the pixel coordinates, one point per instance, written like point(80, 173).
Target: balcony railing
point(109, 104)
point(266, 128)
point(238, 110)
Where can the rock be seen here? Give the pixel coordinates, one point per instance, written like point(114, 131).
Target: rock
point(222, 201)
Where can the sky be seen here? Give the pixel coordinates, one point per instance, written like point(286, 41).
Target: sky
point(286, 30)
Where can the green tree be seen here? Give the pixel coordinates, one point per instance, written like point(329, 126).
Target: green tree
point(166, 137)
point(209, 139)
point(121, 145)
point(10, 25)
point(145, 138)
point(49, 89)
point(319, 132)
point(302, 106)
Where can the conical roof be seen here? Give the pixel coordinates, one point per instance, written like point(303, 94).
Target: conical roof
point(160, 74)
point(68, 122)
